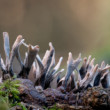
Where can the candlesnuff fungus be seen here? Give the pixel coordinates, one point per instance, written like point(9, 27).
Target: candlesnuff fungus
point(90, 89)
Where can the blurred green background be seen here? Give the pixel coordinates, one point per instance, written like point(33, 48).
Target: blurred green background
point(71, 25)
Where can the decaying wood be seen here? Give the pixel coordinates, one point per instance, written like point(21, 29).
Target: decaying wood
point(82, 88)
point(92, 98)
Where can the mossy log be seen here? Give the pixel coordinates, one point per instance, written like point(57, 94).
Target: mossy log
point(95, 98)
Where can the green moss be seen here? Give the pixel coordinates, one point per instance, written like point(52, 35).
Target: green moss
point(54, 107)
point(9, 95)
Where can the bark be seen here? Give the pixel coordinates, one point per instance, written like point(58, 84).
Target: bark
point(93, 98)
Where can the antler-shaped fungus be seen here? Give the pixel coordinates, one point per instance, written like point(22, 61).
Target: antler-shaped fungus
point(45, 72)
point(7, 68)
point(47, 68)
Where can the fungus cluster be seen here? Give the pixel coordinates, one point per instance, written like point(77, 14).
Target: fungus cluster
point(44, 73)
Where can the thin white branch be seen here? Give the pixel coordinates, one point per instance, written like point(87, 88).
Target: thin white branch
point(6, 47)
point(15, 51)
point(71, 66)
point(32, 52)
